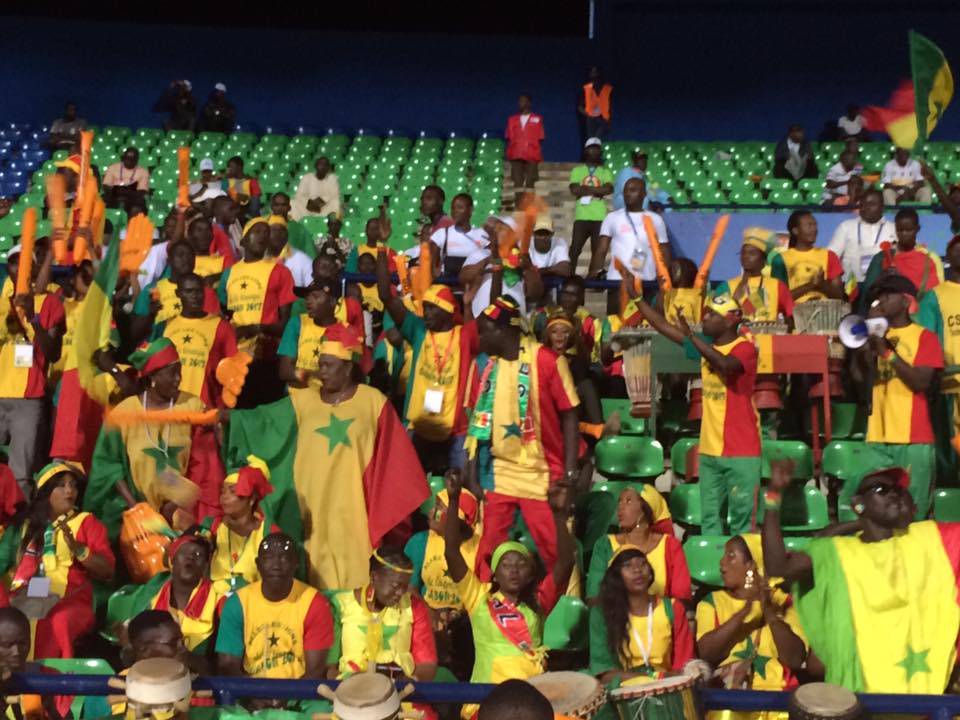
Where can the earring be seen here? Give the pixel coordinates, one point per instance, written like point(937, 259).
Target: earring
point(858, 508)
point(748, 583)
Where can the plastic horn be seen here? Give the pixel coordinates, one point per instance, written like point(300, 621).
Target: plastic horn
point(423, 278)
point(719, 230)
point(624, 274)
point(56, 193)
point(28, 235)
point(663, 273)
point(183, 177)
point(86, 144)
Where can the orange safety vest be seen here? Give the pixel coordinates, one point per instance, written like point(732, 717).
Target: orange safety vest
point(593, 102)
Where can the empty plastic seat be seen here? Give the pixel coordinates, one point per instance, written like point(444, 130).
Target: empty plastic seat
point(703, 554)
point(631, 456)
point(685, 505)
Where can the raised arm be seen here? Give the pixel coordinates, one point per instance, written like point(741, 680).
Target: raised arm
point(942, 194)
point(792, 566)
point(391, 302)
point(456, 566)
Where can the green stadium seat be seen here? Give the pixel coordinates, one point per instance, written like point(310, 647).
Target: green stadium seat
point(786, 197)
point(796, 543)
point(773, 184)
point(629, 425)
point(83, 705)
point(629, 456)
point(435, 482)
point(804, 510)
point(946, 505)
point(679, 453)
point(796, 450)
point(847, 420)
point(315, 225)
point(567, 626)
point(685, 505)
point(703, 555)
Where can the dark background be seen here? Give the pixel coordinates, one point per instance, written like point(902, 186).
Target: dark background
point(681, 70)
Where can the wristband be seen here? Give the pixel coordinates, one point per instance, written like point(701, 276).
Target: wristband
point(83, 554)
point(772, 500)
point(887, 353)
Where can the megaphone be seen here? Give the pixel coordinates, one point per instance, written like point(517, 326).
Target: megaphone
point(854, 330)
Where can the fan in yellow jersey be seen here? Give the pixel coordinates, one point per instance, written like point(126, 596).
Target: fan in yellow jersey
point(238, 532)
point(202, 341)
point(15, 640)
point(940, 313)
point(810, 272)
point(507, 614)
point(635, 635)
point(762, 298)
point(256, 294)
point(278, 627)
point(750, 629)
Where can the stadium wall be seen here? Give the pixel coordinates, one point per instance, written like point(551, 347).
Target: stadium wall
point(708, 73)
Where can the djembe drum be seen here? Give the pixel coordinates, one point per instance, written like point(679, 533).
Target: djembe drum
point(571, 694)
point(766, 392)
point(823, 701)
point(636, 345)
point(673, 698)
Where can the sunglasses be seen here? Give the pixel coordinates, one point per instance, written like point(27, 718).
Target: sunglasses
point(883, 489)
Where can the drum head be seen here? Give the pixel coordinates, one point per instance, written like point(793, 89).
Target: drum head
point(568, 692)
point(670, 684)
point(825, 700)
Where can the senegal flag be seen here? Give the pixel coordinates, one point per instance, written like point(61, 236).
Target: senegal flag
point(346, 477)
point(884, 616)
point(915, 107)
point(94, 322)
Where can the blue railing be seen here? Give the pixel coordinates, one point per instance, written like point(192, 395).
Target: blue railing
point(228, 690)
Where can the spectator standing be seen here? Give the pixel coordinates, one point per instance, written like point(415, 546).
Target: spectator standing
point(903, 180)
point(318, 193)
point(857, 240)
point(850, 125)
point(461, 239)
point(524, 135)
point(594, 105)
point(65, 131)
point(637, 169)
point(838, 178)
point(126, 182)
point(218, 114)
point(244, 190)
point(793, 156)
point(589, 183)
point(178, 101)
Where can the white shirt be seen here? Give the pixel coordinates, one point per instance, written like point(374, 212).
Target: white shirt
point(311, 187)
point(856, 241)
point(523, 120)
point(300, 266)
point(458, 244)
point(838, 173)
point(153, 265)
point(629, 242)
point(850, 127)
point(557, 253)
point(896, 174)
point(482, 298)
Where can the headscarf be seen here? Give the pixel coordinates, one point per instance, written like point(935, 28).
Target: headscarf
point(469, 508)
point(557, 315)
point(442, 297)
point(153, 356)
point(341, 342)
point(622, 549)
point(725, 306)
point(198, 536)
point(762, 239)
point(50, 471)
point(252, 480)
point(252, 223)
point(71, 163)
point(504, 311)
point(272, 220)
point(505, 547)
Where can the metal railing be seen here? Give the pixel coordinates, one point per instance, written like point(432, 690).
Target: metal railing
point(227, 690)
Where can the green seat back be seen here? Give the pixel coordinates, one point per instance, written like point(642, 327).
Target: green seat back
point(679, 452)
point(847, 420)
point(567, 626)
point(631, 456)
point(629, 425)
point(703, 555)
point(846, 459)
point(796, 450)
point(804, 510)
point(946, 505)
point(436, 485)
point(685, 504)
point(83, 705)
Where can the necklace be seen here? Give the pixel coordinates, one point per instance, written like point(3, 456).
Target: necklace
point(160, 443)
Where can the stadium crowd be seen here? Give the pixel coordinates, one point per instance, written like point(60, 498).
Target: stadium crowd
point(269, 453)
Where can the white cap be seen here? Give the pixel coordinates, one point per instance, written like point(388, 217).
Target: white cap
point(221, 87)
point(188, 84)
point(509, 221)
point(206, 164)
point(209, 194)
point(593, 141)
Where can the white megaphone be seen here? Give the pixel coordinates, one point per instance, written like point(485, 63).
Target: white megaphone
point(854, 330)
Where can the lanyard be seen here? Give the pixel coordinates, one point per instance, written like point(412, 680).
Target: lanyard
point(446, 355)
point(634, 227)
point(876, 240)
point(647, 650)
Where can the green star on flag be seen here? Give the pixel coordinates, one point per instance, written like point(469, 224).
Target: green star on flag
point(336, 432)
point(757, 661)
point(388, 632)
point(164, 457)
point(915, 662)
point(512, 430)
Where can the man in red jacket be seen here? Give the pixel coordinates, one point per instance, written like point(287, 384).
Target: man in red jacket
point(524, 135)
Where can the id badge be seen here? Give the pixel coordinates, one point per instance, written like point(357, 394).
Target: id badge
point(433, 400)
point(38, 587)
point(23, 355)
point(586, 199)
point(865, 263)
